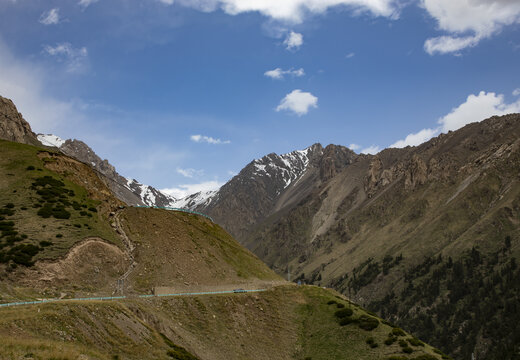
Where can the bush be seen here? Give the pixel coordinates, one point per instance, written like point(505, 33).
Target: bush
point(83, 213)
point(77, 225)
point(59, 235)
point(30, 168)
point(398, 332)
point(346, 320)
point(330, 302)
point(60, 213)
point(343, 313)
point(403, 343)
point(407, 350)
point(390, 340)
point(368, 323)
point(93, 209)
point(45, 211)
point(9, 206)
point(415, 342)
point(45, 243)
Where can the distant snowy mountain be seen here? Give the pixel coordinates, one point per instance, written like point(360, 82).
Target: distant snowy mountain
point(130, 191)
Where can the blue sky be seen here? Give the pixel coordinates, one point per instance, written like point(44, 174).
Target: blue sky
point(181, 94)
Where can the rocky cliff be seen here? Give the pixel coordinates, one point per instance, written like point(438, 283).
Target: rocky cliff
point(13, 126)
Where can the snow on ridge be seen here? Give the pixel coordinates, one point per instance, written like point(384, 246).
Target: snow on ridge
point(50, 140)
point(287, 167)
point(192, 201)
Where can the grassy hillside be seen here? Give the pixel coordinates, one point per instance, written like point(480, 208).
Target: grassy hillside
point(283, 323)
point(43, 213)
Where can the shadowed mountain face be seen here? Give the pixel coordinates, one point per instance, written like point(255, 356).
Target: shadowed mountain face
point(371, 225)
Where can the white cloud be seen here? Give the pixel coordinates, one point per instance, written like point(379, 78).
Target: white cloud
point(292, 11)
point(184, 190)
point(190, 173)
point(416, 139)
point(51, 17)
point(350, 55)
point(26, 84)
point(298, 102)
point(75, 58)
point(374, 149)
point(279, 74)
point(516, 92)
point(208, 139)
point(86, 3)
point(468, 21)
point(354, 147)
point(449, 44)
point(477, 108)
point(293, 41)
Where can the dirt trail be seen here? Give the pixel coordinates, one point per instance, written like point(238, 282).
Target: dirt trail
point(129, 248)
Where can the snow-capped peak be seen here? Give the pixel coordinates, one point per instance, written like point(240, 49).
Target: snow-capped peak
point(286, 167)
point(51, 140)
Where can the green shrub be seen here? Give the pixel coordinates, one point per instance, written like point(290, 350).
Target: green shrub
point(59, 235)
point(390, 340)
point(330, 302)
point(60, 213)
point(415, 342)
point(403, 343)
point(77, 225)
point(45, 243)
point(398, 332)
point(93, 209)
point(407, 350)
point(83, 213)
point(346, 320)
point(343, 313)
point(9, 206)
point(368, 323)
point(340, 306)
point(30, 168)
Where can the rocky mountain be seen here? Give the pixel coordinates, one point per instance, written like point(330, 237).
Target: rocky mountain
point(407, 232)
point(129, 191)
point(84, 277)
point(272, 184)
point(13, 126)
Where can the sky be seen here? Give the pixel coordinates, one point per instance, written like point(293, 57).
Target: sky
point(182, 94)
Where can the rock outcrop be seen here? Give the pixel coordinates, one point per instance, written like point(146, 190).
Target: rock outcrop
point(13, 126)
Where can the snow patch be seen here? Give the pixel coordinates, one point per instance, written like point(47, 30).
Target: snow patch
point(50, 140)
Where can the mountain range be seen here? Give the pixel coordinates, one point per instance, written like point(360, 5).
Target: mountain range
point(425, 236)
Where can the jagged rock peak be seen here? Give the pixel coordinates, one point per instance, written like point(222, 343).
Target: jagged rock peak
point(13, 126)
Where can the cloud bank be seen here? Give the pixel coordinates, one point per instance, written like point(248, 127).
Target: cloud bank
point(208, 139)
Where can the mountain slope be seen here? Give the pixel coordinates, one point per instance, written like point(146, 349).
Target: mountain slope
point(129, 191)
point(367, 227)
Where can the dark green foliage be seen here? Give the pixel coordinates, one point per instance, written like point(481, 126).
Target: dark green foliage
point(398, 332)
point(83, 213)
point(407, 350)
point(340, 306)
point(20, 254)
point(6, 212)
point(415, 342)
point(93, 209)
point(45, 211)
point(368, 323)
point(77, 225)
point(330, 302)
point(390, 340)
point(477, 293)
point(9, 206)
point(343, 313)
point(370, 341)
point(45, 243)
point(59, 235)
point(346, 320)
point(30, 168)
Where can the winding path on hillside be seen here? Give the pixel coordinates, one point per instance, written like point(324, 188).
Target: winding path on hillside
point(129, 248)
